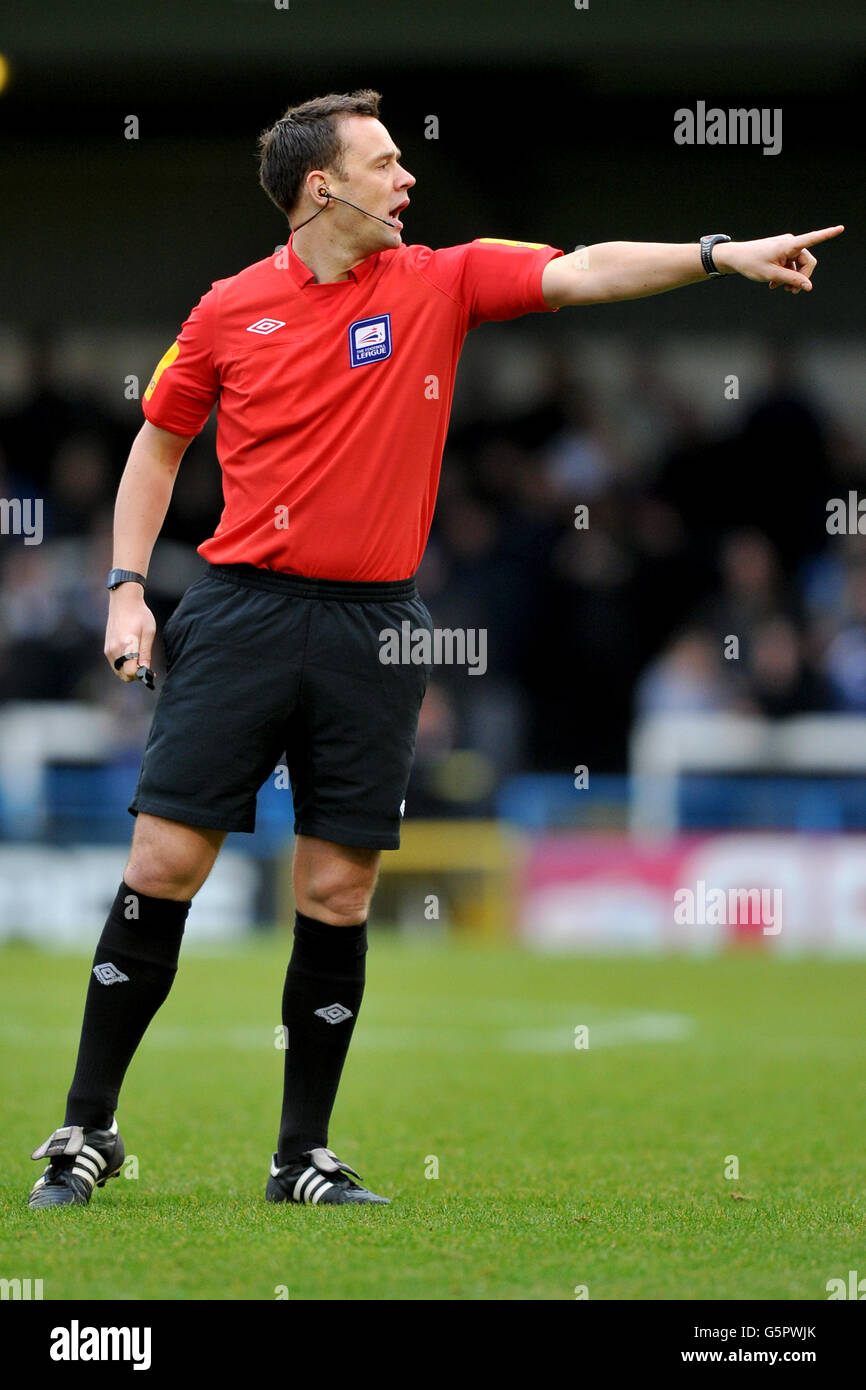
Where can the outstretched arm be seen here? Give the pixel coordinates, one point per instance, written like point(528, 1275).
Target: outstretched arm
point(634, 269)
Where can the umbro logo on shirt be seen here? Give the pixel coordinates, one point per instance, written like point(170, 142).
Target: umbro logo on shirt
point(266, 325)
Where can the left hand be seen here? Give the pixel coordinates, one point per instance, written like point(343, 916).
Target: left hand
point(779, 260)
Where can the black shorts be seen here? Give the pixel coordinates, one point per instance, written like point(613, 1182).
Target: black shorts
point(261, 664)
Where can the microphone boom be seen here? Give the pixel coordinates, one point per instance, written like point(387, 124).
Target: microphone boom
point(375, 217)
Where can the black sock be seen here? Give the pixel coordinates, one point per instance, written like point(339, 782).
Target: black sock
point(323, 992)
point(133, 970)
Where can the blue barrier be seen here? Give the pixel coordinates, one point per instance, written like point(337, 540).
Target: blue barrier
point(88, 803)
point(705, 802)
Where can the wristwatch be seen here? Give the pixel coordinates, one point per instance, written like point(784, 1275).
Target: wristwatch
point(118, 577)
point(707, 244)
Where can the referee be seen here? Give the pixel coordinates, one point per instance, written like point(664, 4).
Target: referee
point(332, 365)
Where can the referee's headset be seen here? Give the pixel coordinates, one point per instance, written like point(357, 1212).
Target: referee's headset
point(325, 193)
point(332, 197)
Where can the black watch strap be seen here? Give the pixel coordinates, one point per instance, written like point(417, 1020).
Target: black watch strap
point(707, 244)
point(118, 577)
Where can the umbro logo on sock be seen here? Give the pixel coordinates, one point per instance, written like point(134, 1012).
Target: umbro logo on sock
point(334, 1013)
point(109, 974)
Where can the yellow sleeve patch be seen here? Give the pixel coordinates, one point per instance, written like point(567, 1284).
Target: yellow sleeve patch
point(165, 361)
point(501, 241)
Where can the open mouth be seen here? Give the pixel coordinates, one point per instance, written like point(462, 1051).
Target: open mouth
point(394, 214)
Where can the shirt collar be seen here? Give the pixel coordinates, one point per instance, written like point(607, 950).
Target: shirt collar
point(302, 275)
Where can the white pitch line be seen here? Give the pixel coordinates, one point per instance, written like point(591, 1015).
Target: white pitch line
point(615, 1032)
point(612, 1030)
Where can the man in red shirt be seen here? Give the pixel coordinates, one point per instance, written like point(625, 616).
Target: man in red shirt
point(332, 364)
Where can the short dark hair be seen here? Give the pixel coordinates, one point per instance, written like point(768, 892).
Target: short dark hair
point(308, 137)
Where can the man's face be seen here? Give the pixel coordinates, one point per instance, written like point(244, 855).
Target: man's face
point(374, 180)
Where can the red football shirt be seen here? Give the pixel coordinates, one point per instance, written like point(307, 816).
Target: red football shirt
point(334, 399)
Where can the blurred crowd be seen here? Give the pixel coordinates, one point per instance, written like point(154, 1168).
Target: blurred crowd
point(623, 554)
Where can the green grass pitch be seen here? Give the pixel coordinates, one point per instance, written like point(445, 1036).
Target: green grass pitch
point(559, 1167)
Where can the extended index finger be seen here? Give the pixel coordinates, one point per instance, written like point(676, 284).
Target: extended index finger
point(810, 238)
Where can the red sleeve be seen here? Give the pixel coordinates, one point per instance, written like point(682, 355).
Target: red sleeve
point(493, 279)
point(185, 384)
